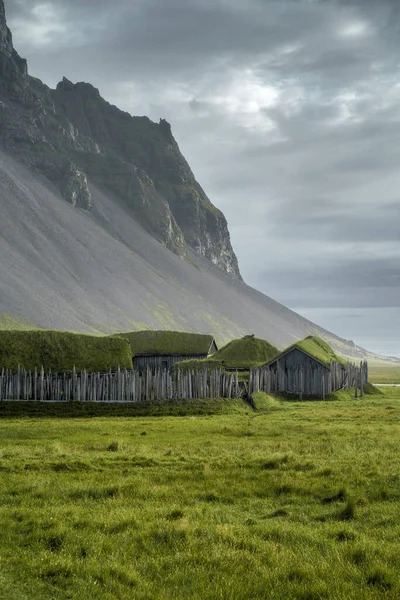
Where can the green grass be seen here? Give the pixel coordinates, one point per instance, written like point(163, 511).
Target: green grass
point(384, 373)
point(60, 351)
point(168, 342)
point(296, 501)
point(248, 352)
point(74, 410)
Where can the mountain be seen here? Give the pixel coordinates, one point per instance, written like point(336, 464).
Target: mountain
point(71, 134)
point(104, 227)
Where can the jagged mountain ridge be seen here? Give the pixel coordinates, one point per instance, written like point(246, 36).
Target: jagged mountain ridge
point(153, 150)
point(88, 264)
point(71, 134)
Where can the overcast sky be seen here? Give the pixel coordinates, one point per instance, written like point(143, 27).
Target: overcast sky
point(288, 112)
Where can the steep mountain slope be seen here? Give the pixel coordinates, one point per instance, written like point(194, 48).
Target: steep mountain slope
point(100, 271)
point(101, 261)
point(71, 134)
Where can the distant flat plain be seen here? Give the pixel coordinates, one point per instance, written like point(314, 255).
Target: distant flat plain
point(297, 500)
point(383, 372)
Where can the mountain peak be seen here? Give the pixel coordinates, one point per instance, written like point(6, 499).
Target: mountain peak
point(13, 68)
point(65, 85)
point(87, 89)
point(5, 34)
point(166, 129)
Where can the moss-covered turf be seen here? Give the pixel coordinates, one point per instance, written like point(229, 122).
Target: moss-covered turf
point(319, 349)
point(165, 342)
point(246, 352)
point(60, 351)
point(295, 501)
point(198, 365)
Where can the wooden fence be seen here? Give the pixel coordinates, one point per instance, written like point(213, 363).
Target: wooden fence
point(316, 381)
point(122, 385)
point(131, 386)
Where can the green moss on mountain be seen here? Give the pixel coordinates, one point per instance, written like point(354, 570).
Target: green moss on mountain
point(11, 323)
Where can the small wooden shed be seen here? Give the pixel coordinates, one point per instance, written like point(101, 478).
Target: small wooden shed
point(162, 349)
point(308, 367)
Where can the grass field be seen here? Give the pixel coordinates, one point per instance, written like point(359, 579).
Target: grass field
point(298, 500)
point(384, 373)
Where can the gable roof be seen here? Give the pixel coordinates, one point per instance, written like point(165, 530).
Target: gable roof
point(165, 343)
point(315, 348)
point(246, 352)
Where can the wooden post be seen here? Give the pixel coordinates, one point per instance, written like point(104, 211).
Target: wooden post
point(355, 385)
point(301, 383)
point(41, 384)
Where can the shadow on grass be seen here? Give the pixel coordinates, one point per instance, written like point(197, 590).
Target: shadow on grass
point(67, 410)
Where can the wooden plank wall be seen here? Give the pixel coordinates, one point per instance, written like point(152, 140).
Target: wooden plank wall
point(317, 381)
point(158, 362)
point(123, 385)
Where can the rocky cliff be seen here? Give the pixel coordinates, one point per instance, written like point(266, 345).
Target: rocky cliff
point(13, 69)
point(72, 135)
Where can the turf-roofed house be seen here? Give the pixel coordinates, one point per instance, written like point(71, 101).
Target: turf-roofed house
point(245, 353)
point(162, 349)
point(309, 366)
point(62, 351)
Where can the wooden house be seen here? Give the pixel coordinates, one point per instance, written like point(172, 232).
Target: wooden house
point(308, 367)
point(162, 349)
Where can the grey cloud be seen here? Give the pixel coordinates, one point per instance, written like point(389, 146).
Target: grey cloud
point(352, 284)
point(380, 224)
point(179, 35)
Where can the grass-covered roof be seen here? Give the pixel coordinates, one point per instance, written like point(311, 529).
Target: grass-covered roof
point(198, 364)
point(246, 352)
point(155, 343)
point(318, 348)
point(60, 351)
